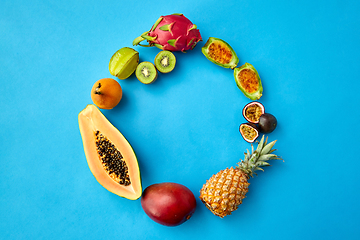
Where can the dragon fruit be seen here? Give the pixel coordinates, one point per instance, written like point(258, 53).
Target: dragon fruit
point(172, 33)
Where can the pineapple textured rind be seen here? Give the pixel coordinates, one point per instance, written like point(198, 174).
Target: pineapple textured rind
point(224, 191)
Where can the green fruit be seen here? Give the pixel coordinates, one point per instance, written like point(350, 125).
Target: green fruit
point(124, 62)
point(146, 72)
point(248, 81)
point(220, 52)
point(165, 61)
point(267, 123)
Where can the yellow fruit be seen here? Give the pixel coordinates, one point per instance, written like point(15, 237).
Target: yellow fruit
point(124, 62)
point(224, 191)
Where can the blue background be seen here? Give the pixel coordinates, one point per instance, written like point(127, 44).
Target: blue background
point(183, 127)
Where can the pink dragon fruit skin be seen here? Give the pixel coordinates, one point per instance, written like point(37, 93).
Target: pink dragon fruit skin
point(172, 33)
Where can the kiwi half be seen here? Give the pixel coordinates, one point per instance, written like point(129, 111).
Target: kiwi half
point(146, 72)
point(165, 61)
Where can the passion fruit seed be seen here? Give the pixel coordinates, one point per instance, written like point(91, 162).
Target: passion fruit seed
point(249, 132)
point(112, 160)
point(252, 111)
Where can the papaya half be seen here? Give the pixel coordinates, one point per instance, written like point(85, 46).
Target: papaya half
point(109, 155)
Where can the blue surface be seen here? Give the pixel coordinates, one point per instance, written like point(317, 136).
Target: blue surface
point(184, 127)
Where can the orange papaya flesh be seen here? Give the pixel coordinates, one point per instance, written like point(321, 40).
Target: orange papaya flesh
point(109, 155)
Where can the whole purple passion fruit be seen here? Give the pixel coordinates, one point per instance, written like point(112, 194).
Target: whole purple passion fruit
point(249, 132)
point(252, 111)
point(169, 204)
point(267, 123)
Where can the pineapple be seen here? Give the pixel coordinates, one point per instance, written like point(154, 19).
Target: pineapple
point(224, 191)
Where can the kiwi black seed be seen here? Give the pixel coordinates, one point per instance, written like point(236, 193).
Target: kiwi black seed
point(146, 72)
point(165, 61)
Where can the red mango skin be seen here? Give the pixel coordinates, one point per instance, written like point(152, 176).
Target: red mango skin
point(169, 204)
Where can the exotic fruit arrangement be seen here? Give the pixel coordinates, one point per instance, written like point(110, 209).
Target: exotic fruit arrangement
point(224, 191)
point(171, 32)
point(113, 161)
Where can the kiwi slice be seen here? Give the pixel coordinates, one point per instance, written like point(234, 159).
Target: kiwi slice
point(165, 61)
point(146, 72)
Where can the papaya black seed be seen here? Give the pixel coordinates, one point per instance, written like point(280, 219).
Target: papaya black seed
point(112, 159)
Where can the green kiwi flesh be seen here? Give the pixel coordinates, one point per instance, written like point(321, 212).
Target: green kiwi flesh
point(146, 72)
point(165, 61)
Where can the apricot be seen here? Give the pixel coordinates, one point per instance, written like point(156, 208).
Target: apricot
point(106, 93)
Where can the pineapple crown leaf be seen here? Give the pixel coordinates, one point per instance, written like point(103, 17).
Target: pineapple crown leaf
point(268, 147)
point(261, 144)
point(247, 155)
point(266, 157)
point(259, 168)
point(258, 158)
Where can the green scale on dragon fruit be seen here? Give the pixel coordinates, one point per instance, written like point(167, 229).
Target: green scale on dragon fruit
point(172, 33)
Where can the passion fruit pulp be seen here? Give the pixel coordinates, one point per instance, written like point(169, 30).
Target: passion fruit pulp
point(249, 132)
point(267, 123)
point(252, 111)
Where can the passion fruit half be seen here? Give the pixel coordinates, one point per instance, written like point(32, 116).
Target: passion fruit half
point(249, 132)
point(252, 111)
